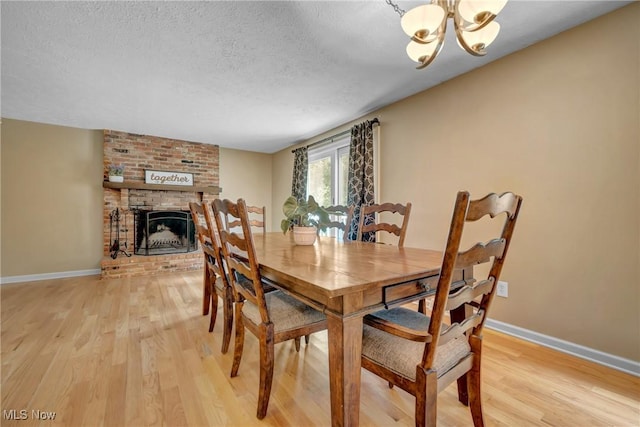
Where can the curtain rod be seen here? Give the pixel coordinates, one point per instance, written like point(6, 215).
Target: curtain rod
point(339, 134)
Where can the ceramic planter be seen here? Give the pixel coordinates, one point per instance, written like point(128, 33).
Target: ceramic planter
point(304, 235)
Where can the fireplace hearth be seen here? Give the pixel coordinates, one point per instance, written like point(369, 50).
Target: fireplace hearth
point(164, 232)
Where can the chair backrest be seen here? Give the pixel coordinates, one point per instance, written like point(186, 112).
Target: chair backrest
point(492, 252)
point(368, 224)
point(257, 218)
point(239, 253)
point(343, 222)
point(205, 228)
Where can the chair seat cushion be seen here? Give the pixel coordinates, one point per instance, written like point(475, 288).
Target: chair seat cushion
point(267, 285)
point(285, 312)
point(401, 355)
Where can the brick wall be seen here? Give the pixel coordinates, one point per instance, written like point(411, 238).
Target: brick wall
point(137, 153)
point(140, 152)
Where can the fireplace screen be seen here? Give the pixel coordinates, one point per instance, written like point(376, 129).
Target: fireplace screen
point(164, 232)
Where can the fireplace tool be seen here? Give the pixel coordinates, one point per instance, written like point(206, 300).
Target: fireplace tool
point(114, 223)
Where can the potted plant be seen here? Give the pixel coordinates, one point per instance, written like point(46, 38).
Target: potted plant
point(116, 173)
point(304, 218)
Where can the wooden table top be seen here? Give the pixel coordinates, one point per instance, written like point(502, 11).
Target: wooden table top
point(332, 267)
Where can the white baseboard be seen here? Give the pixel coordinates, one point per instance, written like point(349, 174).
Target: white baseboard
point(615, 362)
point(47, 276)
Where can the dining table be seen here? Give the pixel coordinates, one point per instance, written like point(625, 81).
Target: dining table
point(347, 280)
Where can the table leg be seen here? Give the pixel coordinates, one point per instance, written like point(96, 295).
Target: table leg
point(345, 349)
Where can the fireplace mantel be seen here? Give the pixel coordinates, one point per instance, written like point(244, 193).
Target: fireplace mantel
point(160, 187)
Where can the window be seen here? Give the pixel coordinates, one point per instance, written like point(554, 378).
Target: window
point(328, 173)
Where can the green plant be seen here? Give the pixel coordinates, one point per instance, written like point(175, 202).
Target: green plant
point(116, 170)
point(304, 213)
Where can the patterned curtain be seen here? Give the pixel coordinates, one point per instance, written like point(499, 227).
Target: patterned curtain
point(360, 184)
point(300, 168)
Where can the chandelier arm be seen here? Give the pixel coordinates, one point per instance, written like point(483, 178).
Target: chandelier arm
point(465, 45)
point(458, 20)
point(428, 60)
point(419, 40)
point(469, 49)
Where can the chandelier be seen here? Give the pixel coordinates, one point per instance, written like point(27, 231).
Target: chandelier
point(473, 21)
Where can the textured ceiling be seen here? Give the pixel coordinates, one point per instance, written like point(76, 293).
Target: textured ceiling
point(251, 75)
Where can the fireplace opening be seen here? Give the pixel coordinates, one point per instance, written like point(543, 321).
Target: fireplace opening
point(164, 232)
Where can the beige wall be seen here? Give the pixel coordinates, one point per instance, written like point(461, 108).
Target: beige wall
point(51, 199)
point(558, 123)
point(247, 174)
point(51, 204)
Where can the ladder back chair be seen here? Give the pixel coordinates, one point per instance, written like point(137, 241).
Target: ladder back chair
point(345, 212)
point(215, 278)
point(421, 354)
point(368, 224)
point(257, 218)
point(273, 317)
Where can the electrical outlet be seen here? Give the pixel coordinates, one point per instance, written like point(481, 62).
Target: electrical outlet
point(503, 289)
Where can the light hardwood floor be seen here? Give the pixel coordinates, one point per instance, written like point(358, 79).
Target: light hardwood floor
point(136, 352)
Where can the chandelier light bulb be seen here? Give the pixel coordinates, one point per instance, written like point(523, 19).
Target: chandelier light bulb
point(423, 22)
point(476, 12)
point(418, 51)
point(478, 40)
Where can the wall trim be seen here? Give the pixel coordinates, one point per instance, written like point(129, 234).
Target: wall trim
point(46, 276)
point(619, 363)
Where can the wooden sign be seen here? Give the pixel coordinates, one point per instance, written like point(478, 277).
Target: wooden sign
point(168, 178)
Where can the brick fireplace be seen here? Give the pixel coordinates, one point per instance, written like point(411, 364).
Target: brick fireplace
point(123, 201)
